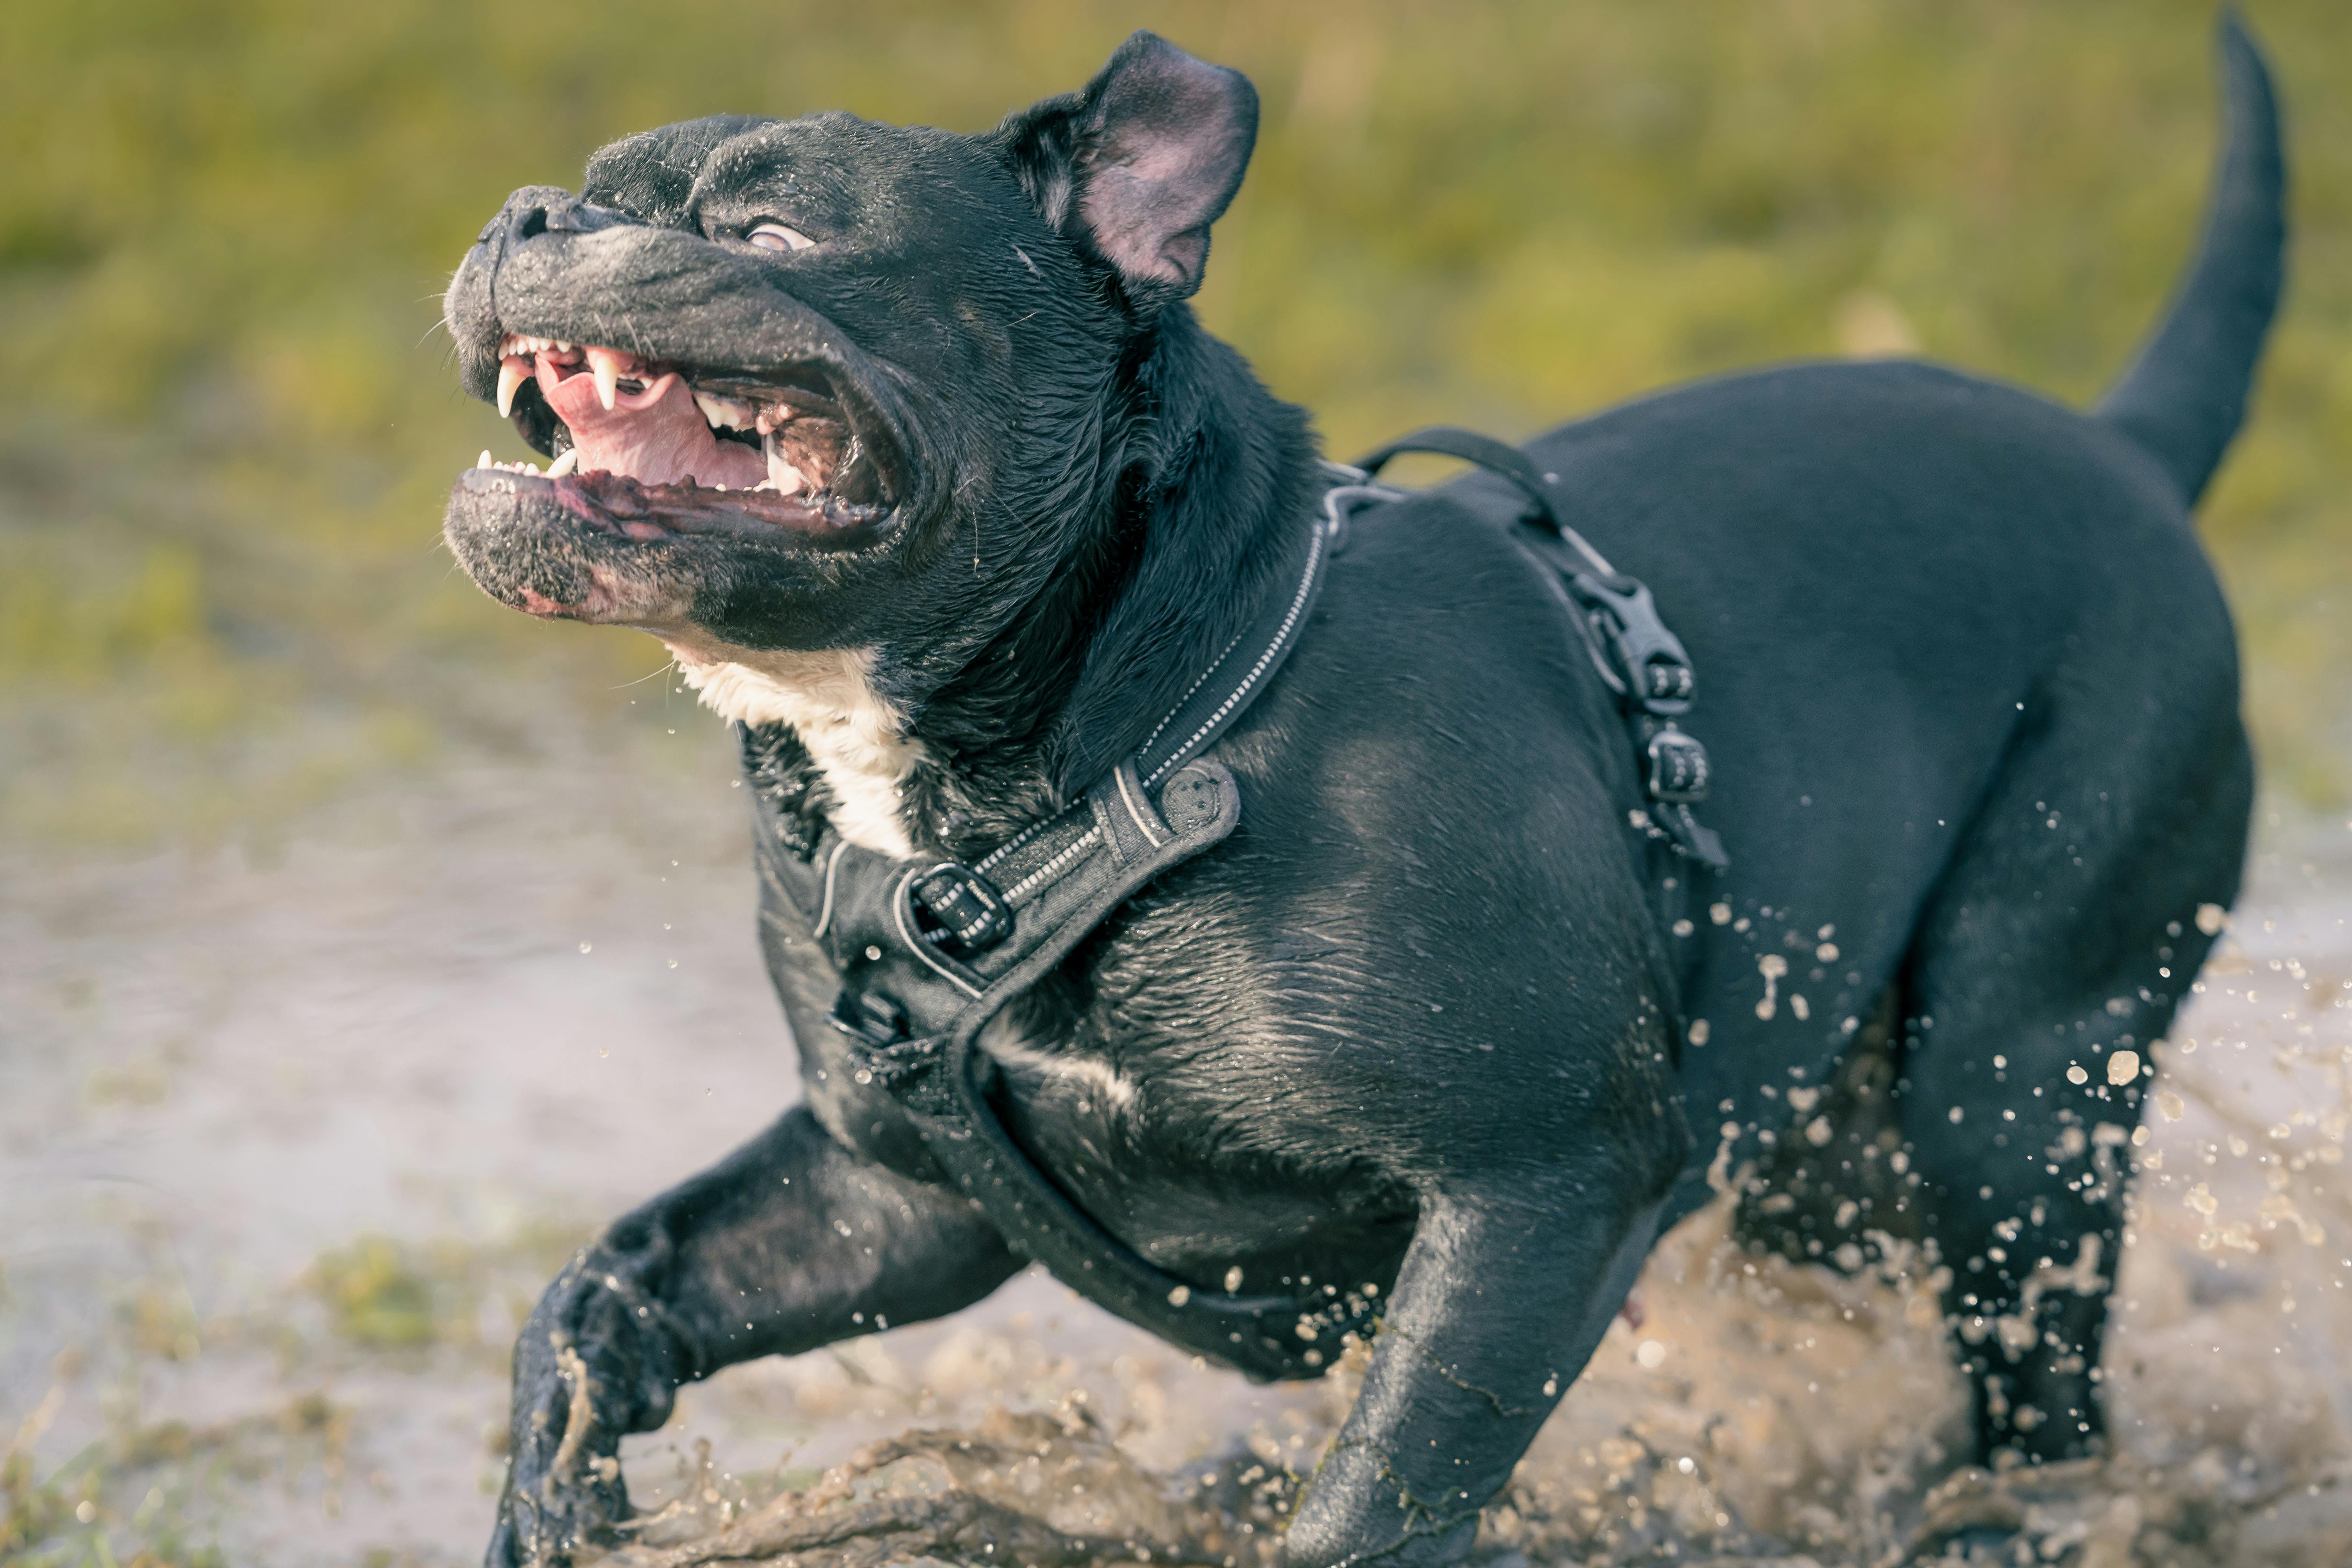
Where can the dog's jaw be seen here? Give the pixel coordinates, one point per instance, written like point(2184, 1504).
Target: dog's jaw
point(855, 736)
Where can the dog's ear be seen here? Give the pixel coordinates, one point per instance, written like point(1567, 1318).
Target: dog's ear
point(1136, 167)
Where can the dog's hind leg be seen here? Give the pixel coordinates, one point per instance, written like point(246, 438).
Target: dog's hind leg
point(790, 1243)
point(1826, 1191)
point(2049, 961)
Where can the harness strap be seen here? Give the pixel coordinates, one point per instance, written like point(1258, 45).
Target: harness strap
point(929, 951)
point(1640, 660)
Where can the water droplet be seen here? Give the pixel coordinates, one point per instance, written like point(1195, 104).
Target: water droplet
point(587, 947)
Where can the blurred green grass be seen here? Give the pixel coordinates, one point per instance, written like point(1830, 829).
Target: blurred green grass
point(227, 421)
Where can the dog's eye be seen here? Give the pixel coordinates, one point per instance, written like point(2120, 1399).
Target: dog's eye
point(776, 237)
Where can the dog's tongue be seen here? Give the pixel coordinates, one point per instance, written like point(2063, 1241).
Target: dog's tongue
point(656, 437)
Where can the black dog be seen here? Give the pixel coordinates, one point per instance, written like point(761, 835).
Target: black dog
point(907, 443)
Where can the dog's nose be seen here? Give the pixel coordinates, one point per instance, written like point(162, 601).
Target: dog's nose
point(548, 209)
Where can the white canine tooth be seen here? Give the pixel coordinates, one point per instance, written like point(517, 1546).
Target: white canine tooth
point(485, 462)
point(512, 374)
point(606, 365)
point(565, 464)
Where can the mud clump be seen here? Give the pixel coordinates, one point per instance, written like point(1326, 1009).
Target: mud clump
point(1053, 1491)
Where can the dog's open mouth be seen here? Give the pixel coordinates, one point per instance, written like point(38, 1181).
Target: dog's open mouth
point(652, 449)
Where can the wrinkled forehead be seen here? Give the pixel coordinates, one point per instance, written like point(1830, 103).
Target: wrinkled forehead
point(833, 166)
point(653, 174)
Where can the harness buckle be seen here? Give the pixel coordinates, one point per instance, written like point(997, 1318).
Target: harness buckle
point(869, 1016)
point(1651, 668)
point(883, 1049)
point(1679, 773)
point(967, 913)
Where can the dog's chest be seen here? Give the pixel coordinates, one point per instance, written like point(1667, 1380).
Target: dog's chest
point(854, 735)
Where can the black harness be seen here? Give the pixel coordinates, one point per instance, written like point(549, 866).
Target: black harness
point(929, 951)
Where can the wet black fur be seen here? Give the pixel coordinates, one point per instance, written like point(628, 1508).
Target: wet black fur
point(1429, 1020)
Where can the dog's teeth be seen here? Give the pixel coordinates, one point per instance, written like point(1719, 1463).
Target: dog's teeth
point(607, 366)
point(565, 464)
point(513, 371)
point(485, 462)
point(723, 413)
point(782, 475)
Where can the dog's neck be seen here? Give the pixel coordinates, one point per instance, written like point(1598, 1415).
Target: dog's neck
point(1199, 486)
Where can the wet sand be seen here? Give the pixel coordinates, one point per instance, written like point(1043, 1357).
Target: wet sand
point(286, 1151)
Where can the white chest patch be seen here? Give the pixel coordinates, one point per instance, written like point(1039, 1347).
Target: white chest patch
point(853, 733)
point(1007, 1041)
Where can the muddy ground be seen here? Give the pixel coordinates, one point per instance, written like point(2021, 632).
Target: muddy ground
point(286, 1149)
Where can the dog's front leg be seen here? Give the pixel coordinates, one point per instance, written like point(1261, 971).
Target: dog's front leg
point(789, 1242)
point(1496, 1308)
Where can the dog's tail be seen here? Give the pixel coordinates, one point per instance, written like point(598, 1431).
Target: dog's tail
point(2183, 397)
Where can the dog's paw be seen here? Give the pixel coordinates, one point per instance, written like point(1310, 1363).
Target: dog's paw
point(592, 1363)
point(564, 1490)
point(563, 1498)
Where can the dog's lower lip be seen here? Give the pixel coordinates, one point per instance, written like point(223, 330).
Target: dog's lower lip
point(646, 513)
